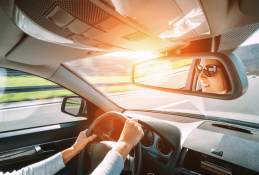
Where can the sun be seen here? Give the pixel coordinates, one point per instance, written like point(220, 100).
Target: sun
point(139, 55)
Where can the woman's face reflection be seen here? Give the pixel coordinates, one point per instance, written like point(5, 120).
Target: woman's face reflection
point(215, 84)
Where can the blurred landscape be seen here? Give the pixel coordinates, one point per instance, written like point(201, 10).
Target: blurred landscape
point(107, 69)
point(20, 79)
point(109, 73)
point(249, 56)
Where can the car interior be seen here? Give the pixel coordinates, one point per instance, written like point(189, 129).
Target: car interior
point(41, 37)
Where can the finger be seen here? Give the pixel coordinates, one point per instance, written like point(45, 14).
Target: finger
point(134, 120)
point(142, 135)
point(138, 124)
point(140, 128)
point(85, 130)
point(91, 138)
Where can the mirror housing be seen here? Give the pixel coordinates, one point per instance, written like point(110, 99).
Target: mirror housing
point(233, 66)
point(73, 105)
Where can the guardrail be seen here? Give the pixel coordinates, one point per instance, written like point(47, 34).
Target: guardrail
point(20, 89)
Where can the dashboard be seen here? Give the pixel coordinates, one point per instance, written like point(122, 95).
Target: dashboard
point(190, 146)
point(155, 144)
point(150, 142)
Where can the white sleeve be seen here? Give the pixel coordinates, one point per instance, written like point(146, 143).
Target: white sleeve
point(112, 164)
point(46, 167)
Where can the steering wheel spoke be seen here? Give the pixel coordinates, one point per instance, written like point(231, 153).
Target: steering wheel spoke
point(130, 163)
point(89, 148)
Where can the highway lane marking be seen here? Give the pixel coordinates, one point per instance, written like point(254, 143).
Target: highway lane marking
point(172, 104)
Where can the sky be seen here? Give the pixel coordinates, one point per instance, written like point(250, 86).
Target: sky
point(254, 39)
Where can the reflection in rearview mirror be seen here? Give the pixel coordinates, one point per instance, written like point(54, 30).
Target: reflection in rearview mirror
point(204, 75)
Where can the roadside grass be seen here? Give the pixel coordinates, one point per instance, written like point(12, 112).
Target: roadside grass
point(31, 80)
point(14, 97)
point(26, 80)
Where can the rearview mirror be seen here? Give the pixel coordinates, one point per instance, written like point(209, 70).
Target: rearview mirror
point(72, 105)
point(213, 75)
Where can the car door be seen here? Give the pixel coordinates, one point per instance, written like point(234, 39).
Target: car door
point(32, 126)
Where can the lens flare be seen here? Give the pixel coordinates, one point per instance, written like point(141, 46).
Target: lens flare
point(140, 55)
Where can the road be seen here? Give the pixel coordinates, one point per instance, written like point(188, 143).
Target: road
point(243, 108)
point(39, 115)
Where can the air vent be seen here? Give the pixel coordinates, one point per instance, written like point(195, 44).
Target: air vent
point(138, 36)
point(148, 140)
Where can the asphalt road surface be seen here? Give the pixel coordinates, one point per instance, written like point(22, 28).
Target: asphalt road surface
point(243, 108)
point(33, 116)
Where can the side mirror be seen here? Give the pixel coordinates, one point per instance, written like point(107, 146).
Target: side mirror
point(73, 105)
point(212, 75)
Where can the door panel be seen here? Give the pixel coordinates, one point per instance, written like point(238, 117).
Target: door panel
point(15, 155)
point(20, 148)
point(32, 125)
point(66, 130)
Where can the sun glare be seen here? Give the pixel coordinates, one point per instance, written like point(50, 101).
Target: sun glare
point(140, 55)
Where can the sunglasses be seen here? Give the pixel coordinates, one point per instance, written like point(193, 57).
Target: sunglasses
point(208, 70)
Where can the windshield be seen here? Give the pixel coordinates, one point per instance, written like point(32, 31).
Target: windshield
point(111, 74)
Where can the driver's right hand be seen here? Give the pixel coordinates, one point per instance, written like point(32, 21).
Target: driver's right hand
point(131, 134)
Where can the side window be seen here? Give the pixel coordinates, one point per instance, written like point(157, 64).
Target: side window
point(28, 101)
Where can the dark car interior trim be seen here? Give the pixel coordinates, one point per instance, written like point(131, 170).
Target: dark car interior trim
point(66, 130)
point(15, 155)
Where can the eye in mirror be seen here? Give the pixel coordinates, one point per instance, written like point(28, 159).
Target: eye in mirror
point(209, 76)
point(72, 105)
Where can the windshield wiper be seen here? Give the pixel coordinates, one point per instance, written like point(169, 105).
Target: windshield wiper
point(232, 127)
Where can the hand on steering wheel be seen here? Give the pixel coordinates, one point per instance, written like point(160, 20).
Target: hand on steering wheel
point(82, 140)
point(129, 138)
point(131, 134)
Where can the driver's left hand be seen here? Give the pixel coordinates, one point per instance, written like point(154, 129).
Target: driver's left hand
point(82, 140)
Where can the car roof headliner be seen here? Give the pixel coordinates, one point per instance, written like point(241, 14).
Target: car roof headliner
point(43, 58)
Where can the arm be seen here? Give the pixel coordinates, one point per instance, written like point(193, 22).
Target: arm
point(49, 166)
point(55, 163)
point(113, 162)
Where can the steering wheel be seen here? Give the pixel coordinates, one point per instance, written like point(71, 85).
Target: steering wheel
point(98, 150)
